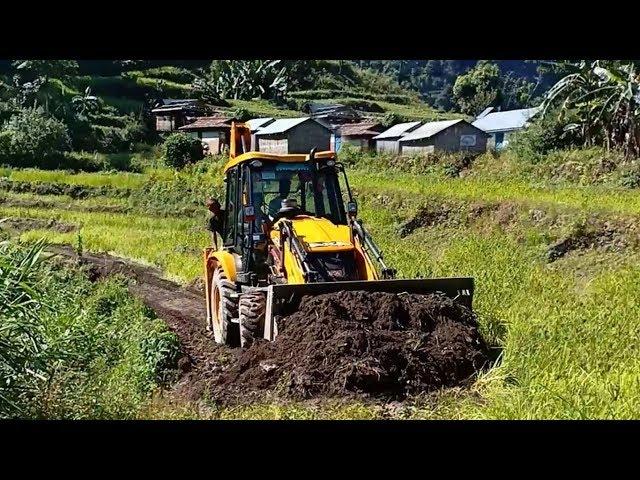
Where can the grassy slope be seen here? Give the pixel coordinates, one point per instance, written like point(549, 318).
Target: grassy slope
point(565, 327)
point(126, 92)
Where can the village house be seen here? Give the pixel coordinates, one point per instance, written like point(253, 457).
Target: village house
point(293, 135)
point(213, 131)
point(444, 136)
point(502, 125)
point(255, 125)
point(331, 114)
point(171, 114)
point(388, 140)
point(359, 135)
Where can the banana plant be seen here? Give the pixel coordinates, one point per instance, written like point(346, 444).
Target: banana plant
point(85, 104)
point(244, 79)
point(605, 95)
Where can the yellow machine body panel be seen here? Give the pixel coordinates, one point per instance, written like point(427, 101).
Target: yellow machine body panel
point(272, 157)
point(319, 235)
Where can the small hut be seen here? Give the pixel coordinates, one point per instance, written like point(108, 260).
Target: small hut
point(387, 141)
point(293, 135)
point(171, 114)
point(359, 135)
point(444, 136)
point(213, 131)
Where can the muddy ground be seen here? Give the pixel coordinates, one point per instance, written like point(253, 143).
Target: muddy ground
point(377, 345)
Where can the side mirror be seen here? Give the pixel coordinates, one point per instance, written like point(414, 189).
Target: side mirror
point(352, 209)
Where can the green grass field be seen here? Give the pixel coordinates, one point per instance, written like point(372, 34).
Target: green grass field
point(566, 329)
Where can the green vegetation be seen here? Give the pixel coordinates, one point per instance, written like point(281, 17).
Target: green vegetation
point(72, 349)
point(484, 86)
point(563, 327)
point(560, 325)
point(181, 149)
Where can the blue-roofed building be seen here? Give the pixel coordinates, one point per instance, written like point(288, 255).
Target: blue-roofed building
point(501, 125)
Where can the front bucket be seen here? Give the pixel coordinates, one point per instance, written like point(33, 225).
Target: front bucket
point(281, 298)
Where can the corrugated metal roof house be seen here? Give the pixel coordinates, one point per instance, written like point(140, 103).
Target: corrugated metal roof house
point(172, 113)
point(387, 141)
point(445, 136)
point(213, 131)
point(501, 124)
point(359, 135)
point(293, 135)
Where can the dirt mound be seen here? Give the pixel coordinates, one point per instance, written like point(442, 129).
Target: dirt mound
point(427, 217)
point(606, 236)
point(376, 344)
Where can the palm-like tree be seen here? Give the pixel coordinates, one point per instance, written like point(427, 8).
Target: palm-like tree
point(243, 79)
point(605, 96)
point(85, 104)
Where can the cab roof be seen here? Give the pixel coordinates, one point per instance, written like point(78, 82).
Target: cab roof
point(272, 157)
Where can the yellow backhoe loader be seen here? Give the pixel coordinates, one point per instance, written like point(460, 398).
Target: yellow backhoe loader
point(289, 228)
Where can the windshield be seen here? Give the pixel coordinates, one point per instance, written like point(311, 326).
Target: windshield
point(316, 192)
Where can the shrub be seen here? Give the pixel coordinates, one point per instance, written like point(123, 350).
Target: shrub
point(5, 145)
point(241, 114)
point(73, 349)
point(181, 149)
point(36, 135)
point(112, 140)
point(544, 135)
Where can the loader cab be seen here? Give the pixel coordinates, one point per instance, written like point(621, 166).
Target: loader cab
point(256, 189)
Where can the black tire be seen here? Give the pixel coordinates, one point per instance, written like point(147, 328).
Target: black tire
point(252, 308)
point(225, 331)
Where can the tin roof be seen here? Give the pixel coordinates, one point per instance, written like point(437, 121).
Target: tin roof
point(258, 123)
point(429, 129)
point(358, 129)
point(397, 130)
point(175, 104)
point(283, 124)
point(505, 121)
point(203, 123)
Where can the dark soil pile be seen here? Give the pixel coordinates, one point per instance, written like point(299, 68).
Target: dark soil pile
point(376, 344)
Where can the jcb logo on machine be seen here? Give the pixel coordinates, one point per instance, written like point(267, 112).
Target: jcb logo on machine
point(328, 244)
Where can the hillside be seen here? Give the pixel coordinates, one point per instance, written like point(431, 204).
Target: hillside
point(434, 79)
point(411, 89)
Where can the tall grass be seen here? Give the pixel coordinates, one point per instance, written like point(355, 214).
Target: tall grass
point(72, 349)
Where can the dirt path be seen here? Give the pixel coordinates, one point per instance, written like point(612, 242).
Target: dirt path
point(182, 308)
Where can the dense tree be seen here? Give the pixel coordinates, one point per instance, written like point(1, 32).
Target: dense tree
point(434, 79)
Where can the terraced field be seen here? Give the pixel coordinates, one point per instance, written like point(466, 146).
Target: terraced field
point(556, 270)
